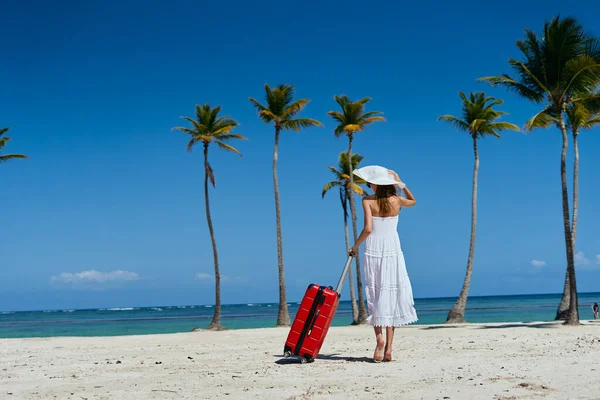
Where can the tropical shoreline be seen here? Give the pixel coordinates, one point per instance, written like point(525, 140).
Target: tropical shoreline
point(124, 321)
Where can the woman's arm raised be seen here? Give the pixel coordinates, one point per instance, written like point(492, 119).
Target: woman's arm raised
point(409, 200)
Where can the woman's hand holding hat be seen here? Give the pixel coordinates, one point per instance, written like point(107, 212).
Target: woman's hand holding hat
point(397, 178)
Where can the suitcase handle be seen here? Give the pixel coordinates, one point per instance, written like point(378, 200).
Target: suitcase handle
point(338, 289)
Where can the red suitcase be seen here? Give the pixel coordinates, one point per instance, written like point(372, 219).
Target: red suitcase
point(313, 319)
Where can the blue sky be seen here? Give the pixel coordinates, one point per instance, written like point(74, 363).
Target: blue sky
point(92, 90)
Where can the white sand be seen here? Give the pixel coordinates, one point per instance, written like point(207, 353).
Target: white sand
point(510, 361)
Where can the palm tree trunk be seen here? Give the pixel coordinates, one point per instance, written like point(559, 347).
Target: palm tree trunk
point(457, 312)
point(350, 276)
point(563, 307)
point(573, 317)
point(575, 189)
point(283, 317)
point(216, 321)
point(362, 309)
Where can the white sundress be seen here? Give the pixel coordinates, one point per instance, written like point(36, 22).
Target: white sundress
point(389, 292)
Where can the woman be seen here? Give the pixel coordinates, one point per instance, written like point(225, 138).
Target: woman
point(389, 292)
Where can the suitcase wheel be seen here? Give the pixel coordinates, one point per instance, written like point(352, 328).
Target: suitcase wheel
point(307, 359)
point(287, 353)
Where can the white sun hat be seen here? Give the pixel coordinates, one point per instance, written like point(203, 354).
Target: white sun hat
point(377, 175)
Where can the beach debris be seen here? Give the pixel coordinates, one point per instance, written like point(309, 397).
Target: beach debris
point(524, 384)
point(158, 362)
point(190, 358)
point(118, 362)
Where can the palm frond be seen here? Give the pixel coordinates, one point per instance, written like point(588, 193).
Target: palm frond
point(370, 114)
point(4, 158)
point(209, 127)
point(370, 120)
point(185, 130)
point(364, 100)
point(328, 186)
point(199, 126)
point(479, 116)
point(210, 173)
point(529, 78)
point(358, 190)
point(352, 117)
point(582, 75)
point(590, 102)
point(456, 122)
point(295, 108)
point(196, 139)
point(4, 141)
point(256, 104)
point(342, 100)
point(344, 201)
point(543, 119)
point(579, 116)
point(227, 147)
point(592, 122)
point(342, 174)
point(298, 124)
point(228, 136)
point(514, 86)
point(336, 172)
point(503, 126)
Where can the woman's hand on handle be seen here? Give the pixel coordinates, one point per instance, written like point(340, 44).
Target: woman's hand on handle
point(353, 251)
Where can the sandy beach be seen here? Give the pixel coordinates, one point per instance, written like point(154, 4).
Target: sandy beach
point(490, 361)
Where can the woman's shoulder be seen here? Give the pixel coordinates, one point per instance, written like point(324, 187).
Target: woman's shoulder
point(369, 197)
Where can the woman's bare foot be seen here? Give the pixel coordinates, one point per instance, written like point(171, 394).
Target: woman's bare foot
point(387, 356)
point(378, 356)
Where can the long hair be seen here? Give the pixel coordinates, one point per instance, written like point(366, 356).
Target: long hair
point(382, 194)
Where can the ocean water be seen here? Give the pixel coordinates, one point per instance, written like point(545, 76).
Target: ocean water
point(172, 319)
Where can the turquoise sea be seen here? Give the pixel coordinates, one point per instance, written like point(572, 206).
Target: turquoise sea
point(171, 319)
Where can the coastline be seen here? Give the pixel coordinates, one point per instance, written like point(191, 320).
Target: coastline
point(480, 361)
point(133, 320)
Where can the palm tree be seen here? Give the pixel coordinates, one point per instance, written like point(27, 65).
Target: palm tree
point(558, 67)
point(351, 120)
point(478, 120)
point(580, 116)
point(209, 128)
point(342, 181)
point(3, 141)
point(281, 110)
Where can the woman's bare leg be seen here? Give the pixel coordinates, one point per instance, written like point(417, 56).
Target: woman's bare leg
point(389, 335)
point(378, 356)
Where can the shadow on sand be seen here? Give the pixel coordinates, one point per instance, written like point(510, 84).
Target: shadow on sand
point(329, 357)
point(535, 325)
